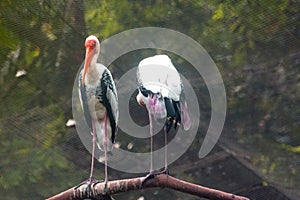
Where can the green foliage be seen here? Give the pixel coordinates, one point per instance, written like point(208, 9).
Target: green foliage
point(255, 29)
point(33, 107)
point(30, 163)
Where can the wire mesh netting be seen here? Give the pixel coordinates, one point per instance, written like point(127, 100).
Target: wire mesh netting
point(255, 46)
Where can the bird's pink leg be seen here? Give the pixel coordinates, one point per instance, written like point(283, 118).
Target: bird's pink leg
point(151, 171)
point(105, 149)
point(151, 142)
point(93, 149)
point(166, 150)
point(152, 174)
point(91, 180)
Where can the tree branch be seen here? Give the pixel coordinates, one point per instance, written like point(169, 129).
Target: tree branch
point(162, 180)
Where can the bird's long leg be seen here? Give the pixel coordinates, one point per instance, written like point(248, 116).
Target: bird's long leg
point(151, 171)
point(166, 150)
point(151, 143)
point(91, 179)
point(105, 150)
point(93, 149)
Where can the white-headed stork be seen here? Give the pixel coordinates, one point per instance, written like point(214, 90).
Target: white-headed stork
point(99, 101)
point(160, 90)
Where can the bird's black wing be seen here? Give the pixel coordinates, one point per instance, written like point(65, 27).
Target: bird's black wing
point(107, 95)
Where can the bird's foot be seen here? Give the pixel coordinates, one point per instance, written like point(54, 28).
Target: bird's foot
point(86, 187)
point(105, 187)
point(153, 174)
point(91, 181)
point(165, 171)
point(147, 177)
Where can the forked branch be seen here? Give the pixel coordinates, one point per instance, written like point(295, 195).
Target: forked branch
point(162, 180)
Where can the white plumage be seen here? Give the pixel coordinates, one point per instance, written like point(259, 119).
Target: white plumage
point(158, 74)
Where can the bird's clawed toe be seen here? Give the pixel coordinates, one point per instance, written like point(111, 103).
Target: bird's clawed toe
point(86, 187)
point(105, 187)
point(147, 177)
point(153, 174)
point(165, 171)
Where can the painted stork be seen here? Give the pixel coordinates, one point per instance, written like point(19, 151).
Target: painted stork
point(160, 91)
point(99, 101)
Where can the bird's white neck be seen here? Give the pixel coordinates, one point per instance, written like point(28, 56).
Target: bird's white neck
point(92, 74)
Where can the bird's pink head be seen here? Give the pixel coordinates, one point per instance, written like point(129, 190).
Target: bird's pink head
point(92, 46)
point(139, 99)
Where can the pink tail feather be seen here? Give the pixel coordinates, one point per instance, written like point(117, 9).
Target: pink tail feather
point(186, 120)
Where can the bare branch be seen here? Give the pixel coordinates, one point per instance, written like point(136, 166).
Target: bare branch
point(162, 180)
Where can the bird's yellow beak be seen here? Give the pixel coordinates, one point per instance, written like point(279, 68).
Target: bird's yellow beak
point(88, 57)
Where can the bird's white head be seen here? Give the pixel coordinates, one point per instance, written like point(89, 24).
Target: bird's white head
point(92, 46)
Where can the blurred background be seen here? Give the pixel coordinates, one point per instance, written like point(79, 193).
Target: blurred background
point(255, 44)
